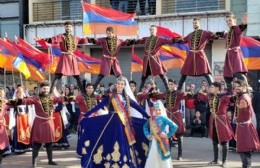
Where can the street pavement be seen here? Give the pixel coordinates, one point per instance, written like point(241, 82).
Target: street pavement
point(197, 153)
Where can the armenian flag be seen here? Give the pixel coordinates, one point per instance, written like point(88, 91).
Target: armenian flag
point(251, 51)
point(172, 56)
point(16, 58)
point(86, 63)
point(96, 19)
point(136, 63)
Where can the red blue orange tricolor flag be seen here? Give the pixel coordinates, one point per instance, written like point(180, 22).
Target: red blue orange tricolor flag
point(172, 56)
point(251, 51)
point(136, 63)
point(96, 19)
point(86, 63)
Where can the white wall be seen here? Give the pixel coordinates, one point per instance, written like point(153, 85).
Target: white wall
point(218, 56)
point(253, 8)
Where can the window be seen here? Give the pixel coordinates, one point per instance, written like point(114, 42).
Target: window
point(184, 6)
point(57, 10)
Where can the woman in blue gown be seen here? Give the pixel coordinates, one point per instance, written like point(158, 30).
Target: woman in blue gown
point(114, 139)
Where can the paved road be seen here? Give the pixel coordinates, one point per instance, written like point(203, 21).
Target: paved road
point(197, 153)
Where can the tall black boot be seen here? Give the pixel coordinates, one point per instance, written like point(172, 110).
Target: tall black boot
point(98, 80)
point(49, 153)
point(180, 147)
point(224, 154)
point(1, 156)
point(182, 80)
point(53, 84)
point(216, 155)
point(35, 153)
point(165, 81)
point(209, 78)
point(246, 159)
point(143, 79)
point(82, 90)
point(228, 81)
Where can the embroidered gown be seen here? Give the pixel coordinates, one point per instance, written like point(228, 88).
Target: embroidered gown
point(4, 140)
point(160, 154)
point(110, 140)
point(20, 128)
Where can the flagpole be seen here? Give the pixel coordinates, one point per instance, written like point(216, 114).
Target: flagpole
point(4, 77)
point(49, 52)
point(131, 77)
point(13, 76)
point(21, 78)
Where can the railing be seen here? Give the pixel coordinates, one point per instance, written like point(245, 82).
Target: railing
point(185, 6)
point(71, 9)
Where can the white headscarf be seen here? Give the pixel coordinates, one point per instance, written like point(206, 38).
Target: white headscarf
point(159, 104)
point(129, 92)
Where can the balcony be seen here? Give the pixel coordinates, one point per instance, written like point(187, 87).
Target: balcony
point(58, 10)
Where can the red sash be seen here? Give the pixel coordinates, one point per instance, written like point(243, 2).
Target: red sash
point(57, 126)
point(23, 129)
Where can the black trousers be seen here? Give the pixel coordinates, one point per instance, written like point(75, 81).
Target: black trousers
point(1, 155)
point(58, 77)
point(215, 143)
point(36, 149)
point(246, 159)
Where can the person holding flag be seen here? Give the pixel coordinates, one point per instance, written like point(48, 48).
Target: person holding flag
point(67, 64)
point(196, 63)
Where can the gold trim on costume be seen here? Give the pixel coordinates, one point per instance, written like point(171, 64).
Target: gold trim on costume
point(70, 43)
point(47, 104)
point(107, 165)
point(84, 151)
point(116, 154)
point(87, 143)
point(99, 138)
point(111, 45)
point(125, 166)
point(171, 97)
point(108, 157)
point(115, 165)
point(145, 148)
point(133, 157)
point(98, 156)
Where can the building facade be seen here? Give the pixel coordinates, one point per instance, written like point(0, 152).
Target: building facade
point(46, 18)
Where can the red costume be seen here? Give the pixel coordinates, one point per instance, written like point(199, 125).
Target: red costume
point(196, 63)
point(43, 127)
point(218, 106)
point(67, 64)
point(85, 104)
point(111, 48)
point(234, 61)
point(246, 135)
point(173, 104)
point(4, 140)
point(151, 62)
